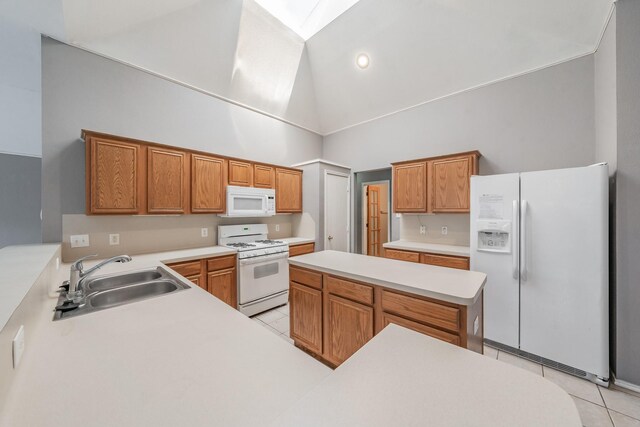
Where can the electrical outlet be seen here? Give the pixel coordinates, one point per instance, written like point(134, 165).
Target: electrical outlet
point(18, 346)
point(444, 230)
point(423, 229)
point(114, 239)
point(79, 240)
point(277, 227)
point(204, 232)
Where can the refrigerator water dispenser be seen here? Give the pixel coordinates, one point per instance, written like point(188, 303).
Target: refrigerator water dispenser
point(494, 236)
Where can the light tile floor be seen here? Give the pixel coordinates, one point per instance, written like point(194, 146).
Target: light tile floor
point(598, 406)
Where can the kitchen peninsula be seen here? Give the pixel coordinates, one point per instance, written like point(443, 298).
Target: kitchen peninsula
point(339, 301)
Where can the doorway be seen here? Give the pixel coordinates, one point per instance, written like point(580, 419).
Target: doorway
point(336, 211)
point(375, 217)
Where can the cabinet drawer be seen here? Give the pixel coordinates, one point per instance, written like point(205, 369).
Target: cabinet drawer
point(350, 290)
point(306, 277)
point(306, 248)
point(419, 327)
point(402, 255)
point(187, 269)
point(421, 310)
point(445, 261)
point(221, 263)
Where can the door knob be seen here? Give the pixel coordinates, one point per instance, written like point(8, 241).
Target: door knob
point(330, 237)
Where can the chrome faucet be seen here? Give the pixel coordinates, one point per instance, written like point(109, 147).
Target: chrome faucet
point(78, 274)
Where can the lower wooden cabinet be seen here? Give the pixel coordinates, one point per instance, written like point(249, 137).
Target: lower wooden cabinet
point(332, 317)
point(217, 275)
point(450, 261)
point(349, 326)
point(223, 285)
point(305, 305)
point(305, 248)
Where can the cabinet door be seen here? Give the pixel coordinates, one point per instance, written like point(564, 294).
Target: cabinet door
point(116, 171)
point(264, 176)
point(450, 183)
point(410, 187)
point(207, 184)
point(419, 327)
point(197, 280)
point(461, 263)
point(305, 248)
point(288, 191)
point(306, 316)
point(349, 326)
point(222, 284)
point(240, 173)
point(167, 181)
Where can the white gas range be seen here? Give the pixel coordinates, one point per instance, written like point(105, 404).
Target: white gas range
point(263, 270)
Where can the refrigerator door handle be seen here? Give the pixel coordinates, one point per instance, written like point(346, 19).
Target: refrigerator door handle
point(523, 240)
point(514, 241)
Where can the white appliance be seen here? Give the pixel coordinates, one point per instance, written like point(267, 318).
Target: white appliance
point(250, 202)
point(542, 239)
point(263, 267)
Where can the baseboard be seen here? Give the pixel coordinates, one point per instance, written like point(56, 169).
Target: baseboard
point(625, 385)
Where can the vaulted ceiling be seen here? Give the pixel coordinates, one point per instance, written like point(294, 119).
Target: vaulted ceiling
point(296, 59)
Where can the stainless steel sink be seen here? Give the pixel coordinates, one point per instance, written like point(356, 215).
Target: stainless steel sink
point(110, 282)
point(113, 290)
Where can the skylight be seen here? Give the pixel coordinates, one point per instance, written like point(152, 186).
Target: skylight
point(306, 17)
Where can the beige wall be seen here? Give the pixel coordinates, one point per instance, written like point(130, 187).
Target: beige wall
point(145, 234)
point(457, 228)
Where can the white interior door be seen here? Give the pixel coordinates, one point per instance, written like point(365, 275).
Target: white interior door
point(564, 271)
point(496, 197)
point(336, 211)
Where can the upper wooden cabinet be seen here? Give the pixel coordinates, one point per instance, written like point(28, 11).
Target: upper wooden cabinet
point(450, 183)
point(410, 187)
point(264, 176)
point(288, 191)
point(128, 176)
point(116, 178)
point(167, 181)
point(207, 184)
point(434, 185)
point(240, 173)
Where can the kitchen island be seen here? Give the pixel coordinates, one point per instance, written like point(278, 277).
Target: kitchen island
point(339, 301)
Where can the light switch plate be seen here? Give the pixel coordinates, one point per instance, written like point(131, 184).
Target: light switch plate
point(204, 232)
point(18, 346)
point(277, 227)
point(114, 239)
point(79, 240)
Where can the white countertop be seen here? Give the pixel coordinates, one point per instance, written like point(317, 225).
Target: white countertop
point(292, 241)
point(183, 359)
point(18, 274)
point(403, 378)
point(433, 248)
point(446, 284)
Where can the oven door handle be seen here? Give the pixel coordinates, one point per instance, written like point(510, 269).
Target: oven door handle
point(263, 258)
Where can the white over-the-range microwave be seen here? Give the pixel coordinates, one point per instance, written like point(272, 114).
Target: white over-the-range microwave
point(250, 202)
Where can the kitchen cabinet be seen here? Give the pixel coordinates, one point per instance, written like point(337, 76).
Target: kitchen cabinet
point(217, 275)
point(434, 185)
point(167, 181)
point(264, 176)
point(288, 191)
point(301, 249)
point(128, 176)
point(450, 261)
point(240, 173)
point(223, 285)
point(115, 176)
point(333, 316)
point(349, 326)
point(305, 305)
point(450, 180)
point(410, 187)
point(208, 184)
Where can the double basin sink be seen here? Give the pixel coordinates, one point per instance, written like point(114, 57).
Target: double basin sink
point(102, 292)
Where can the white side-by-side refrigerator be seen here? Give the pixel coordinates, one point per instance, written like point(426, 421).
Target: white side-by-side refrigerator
point(542, 239)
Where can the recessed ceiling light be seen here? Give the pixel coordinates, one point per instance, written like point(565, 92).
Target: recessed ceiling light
point(362, 60)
